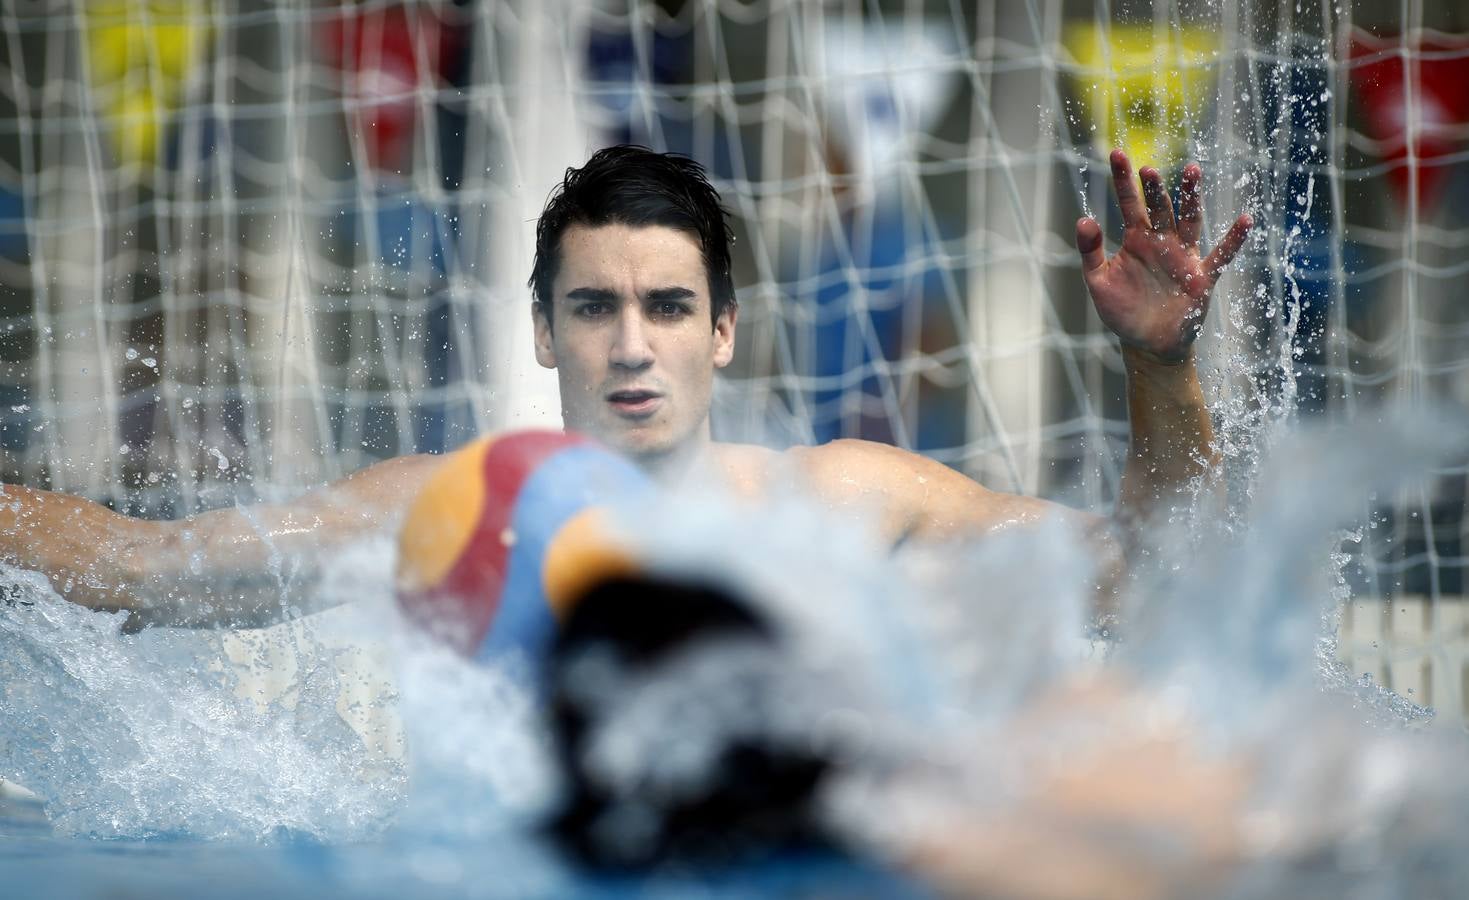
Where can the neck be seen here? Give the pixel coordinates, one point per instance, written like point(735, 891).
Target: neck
point(672, 464)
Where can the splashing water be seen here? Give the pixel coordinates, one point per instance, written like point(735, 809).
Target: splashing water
point(145, 735)
point(936, 653)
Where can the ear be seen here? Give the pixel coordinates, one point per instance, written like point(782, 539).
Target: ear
point(724, 336)
point(545, 348)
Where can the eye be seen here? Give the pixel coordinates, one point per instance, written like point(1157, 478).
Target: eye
point(593, 309)
point(670, 309)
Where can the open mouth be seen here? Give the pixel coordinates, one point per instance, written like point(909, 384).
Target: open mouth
point(634, 403)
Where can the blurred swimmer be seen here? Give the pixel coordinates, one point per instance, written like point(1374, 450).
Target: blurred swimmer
point(728, 685)
point(725, 751)
point(1111, 795)
point(523, 551)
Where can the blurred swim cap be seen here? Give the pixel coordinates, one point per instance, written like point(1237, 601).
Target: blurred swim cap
point(706, 778)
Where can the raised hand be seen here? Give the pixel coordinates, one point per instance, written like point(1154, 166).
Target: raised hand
point(1154, 293)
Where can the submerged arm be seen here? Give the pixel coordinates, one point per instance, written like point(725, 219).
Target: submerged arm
point(90, 554)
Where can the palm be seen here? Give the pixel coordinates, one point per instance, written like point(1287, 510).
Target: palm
point(1154, 292)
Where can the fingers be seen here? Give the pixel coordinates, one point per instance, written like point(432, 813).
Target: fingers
point(1153, 208)
point(1134, 215)
point(1089, 242)
point(1190, 205)
point(1160, 205)
point(1228, 247)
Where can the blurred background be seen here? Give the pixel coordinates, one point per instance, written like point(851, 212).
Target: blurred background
point(246, 247)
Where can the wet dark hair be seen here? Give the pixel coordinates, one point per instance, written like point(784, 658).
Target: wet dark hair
point(631, 185)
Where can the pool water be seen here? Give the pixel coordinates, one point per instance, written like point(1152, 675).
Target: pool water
point(37, 865)
point(341, 754)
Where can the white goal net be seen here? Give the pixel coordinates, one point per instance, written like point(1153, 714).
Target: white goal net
point(251, 246)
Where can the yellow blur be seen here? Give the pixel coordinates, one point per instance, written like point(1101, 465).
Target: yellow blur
point(139, 56)
point(1142, 86)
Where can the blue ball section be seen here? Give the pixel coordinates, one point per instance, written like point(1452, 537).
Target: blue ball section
point(568, 482)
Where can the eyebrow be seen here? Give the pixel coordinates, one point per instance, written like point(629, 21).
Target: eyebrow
point(670, 293)
point(605, 295)
point(602, 295)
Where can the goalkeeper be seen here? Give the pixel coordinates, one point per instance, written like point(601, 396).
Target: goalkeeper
point(634, 307)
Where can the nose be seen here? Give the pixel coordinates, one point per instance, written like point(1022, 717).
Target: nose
point(630, 347)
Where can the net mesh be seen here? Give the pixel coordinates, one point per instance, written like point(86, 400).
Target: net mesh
point(249, 248)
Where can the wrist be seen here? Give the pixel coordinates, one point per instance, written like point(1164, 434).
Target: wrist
point(1137, 357)
point(1152, 379)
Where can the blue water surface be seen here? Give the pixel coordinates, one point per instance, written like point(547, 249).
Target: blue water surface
point(36, 864)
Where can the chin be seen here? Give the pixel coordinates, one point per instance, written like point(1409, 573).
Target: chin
point(638, 443)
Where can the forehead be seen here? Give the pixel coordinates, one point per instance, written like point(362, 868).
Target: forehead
point(638, 257)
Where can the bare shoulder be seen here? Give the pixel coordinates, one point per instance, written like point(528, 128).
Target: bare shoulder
point(867, 466)
point(906, 493)
point(752, 469)
point(918, 495)
point(384, 487)
point(412, 469)
point(868, 457)
point(746, 469)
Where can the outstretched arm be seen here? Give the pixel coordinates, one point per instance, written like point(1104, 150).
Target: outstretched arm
point(225, 566)
point(1153, 294)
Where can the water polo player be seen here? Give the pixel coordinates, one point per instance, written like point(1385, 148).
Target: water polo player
point(634, 307)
